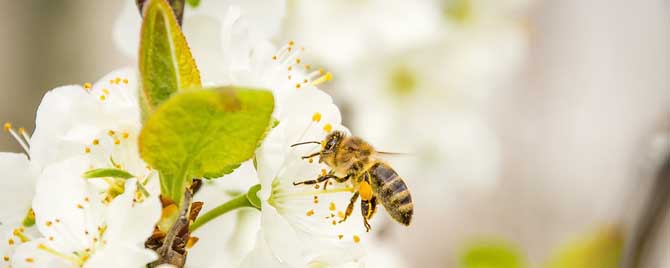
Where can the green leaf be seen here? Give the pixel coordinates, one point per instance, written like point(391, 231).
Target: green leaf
point(491, 254)
point(166, 63)
point(252, 196)
point(204, 134)
point(193, 3)
point(107, 172)
point(601, 249)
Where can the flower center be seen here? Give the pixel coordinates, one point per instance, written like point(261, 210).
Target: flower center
point(288, 57)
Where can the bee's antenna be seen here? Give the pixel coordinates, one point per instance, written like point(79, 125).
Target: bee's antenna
point(307, 142)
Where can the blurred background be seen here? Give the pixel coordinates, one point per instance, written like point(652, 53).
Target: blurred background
point(536, 130)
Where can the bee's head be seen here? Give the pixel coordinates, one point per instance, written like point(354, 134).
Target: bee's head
point(329, 146)
point(331, 142)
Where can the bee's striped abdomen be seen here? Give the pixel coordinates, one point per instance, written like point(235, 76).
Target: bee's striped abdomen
point(393, 192)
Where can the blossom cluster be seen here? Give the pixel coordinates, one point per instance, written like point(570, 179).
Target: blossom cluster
point(61, 216)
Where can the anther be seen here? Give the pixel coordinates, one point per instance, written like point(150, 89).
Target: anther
point(297, 85)
point(125, 135)
point(111, 133)
point(324, 78)
point(96, 142)
point(125, 81)
point(87, 86)
point(297, 61)
point(357, 239)
point(290, 43)
point(87, 150)
point(332, 206)
point(7, 126)
point(117, 141)
point(316, 117)
point(327, 128)
point(105, 91)
point(339, 236)
point(102, 97)
point(310, 212)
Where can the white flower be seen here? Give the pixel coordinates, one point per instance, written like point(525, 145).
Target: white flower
point(231, 236)
point(299, 223)
point(220, 33)
point(342, 32)
point(17, 186)
point(79, 228)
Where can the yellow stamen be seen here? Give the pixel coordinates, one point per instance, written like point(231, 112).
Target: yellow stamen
point(357, 239)
point(297, 85)
point(310, 212)
point(96, 142)
point(7, 126)
point(125, 135)
point(102, 97)
point(87, 150)
point(323, 172)
point(327, 77)
point(5, 258)
point(18, 233)
point(332, 206)
point(327, 128)
point(59, 254)
point(125, 81)
point(316, 117)
point(117, 141)
point(111, 133)
point(297, 60)
point(290, 43)
point(30, 260)
point(87, 85)
point(339, 236)
point(334, 222)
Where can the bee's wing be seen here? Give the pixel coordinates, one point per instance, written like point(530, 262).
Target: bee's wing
point(391, 155)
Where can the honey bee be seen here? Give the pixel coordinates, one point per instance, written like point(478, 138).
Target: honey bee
point(352, 158)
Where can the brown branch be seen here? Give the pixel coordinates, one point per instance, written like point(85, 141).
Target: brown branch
point(652, 217)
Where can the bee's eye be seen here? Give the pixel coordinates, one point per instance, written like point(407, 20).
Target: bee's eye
point(330, 145)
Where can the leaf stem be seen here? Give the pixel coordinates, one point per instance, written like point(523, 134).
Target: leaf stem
point(235, 203)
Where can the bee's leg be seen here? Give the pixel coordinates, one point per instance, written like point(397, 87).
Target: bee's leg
point(350, 207)
point(368, 209)
point(317, 180)
point(337, 179)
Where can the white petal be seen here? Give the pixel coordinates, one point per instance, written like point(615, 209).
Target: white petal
point(61, 208)
point(16, 187)
point(28, 255)
point(130, 222)
point(262, 256)
point(127, 30)
point(282, 240)
point(118, 255)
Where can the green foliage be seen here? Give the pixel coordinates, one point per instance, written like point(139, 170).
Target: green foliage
point(491, 254)
point(107, 172)
point(601, 249)
point(204, 134)
point(166, 63)
point(193, 3)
